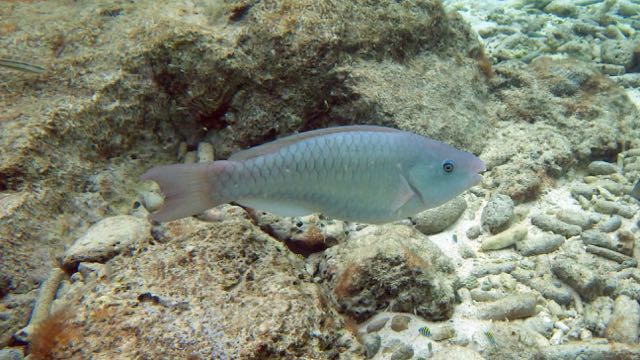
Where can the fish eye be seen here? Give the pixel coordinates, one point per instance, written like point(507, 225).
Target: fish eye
point(447, 166)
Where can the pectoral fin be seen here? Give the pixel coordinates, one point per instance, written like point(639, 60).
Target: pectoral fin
point(404, 194)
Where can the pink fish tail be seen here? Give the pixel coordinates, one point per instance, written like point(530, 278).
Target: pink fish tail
point(189, 189)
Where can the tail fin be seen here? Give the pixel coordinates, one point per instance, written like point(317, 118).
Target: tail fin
point(188, 188)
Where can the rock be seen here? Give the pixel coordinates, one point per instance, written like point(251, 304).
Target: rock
point(541, 323)
point(151, 200)
point(588, 350)
point(371, 343)
point(435, 220)
point(456, 352)
point(611, 255)
point(400, 322)
point(609, 207)
point(610, 224)
point(582, 189)
point(510, 307)
point(442, 332)
point(399, 349)
point(581, 278)
point(377, 324)
point(498, 212)
point(578, 217)
point(205, 152)
point(541, 244)
point(505, 239)
point(619, 52)
point(602, 168)
point(562, 8)
point(626, 242)
point(597, 238)
point(474, 231)
point(256, 299)
point(623, 326)
point(106, 239)
point(493, 268)
point(12, 354)
point(554, 225)
point(389, 266)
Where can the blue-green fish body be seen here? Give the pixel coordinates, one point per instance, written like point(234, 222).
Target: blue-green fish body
point(357, 173)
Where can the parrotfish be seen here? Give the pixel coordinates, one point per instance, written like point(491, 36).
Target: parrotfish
point(360, 173)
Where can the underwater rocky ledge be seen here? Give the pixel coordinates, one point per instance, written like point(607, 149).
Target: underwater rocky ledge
point(538, 261)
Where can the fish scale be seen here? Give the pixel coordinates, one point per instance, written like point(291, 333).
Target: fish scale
point(357, 173)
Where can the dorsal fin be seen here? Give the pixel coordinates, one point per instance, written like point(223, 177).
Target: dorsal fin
point(276, 145)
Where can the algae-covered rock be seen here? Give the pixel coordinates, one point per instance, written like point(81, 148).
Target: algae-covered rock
point(221, 290)
point(390, 266)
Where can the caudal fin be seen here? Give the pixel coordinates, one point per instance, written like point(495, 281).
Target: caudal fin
point(188, 188)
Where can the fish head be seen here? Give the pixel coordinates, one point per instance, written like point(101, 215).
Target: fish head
point(441, 172)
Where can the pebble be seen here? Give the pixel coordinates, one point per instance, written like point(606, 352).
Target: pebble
point(597, 238)
point(505, 239)
point(433, 221)
point(578, 217)
point(623, 326)
point(510, 307)
point(549, 223)
point(581, 278)
point(205, 152)
point(611, 224)
point(474, 232)
point(582, 189)
point(400, 323)
point(377, 324)
point(452, 352)
point(371, 343)
point(498, 212)
point(492, 268)
point(560, 294)
point(601, 168)
point(401, 350)
point(626, 242)
point(611, 207)
point(541, 244)
point(611, 186)
point(611, 255)
point(541, 323)
point(106, 239)
point(151, 200)
point(562, 8)
point(443, 332)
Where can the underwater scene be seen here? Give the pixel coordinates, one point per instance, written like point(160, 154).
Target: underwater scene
point(320, 179)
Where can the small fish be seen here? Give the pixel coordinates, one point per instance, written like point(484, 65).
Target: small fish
point(424, 331)
point(635, 192)
point(490, 337)
point(22, 66)
point(368, 174)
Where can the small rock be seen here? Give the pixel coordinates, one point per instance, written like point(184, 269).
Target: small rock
point(581, 278)
point(582, 189)
point(510, 307)
point(493, 268)
point(400, 322)
point(597, 238)
point(626, 242)
point(560, 294)
point(497, 214)
point(623, 326)
point(12, 354)
point(474, 232)
point(578, 217)
point(611, 224)
point(400, 349)
point(602, 168)
point(554, 225)
point(504, 239)
point(151, 200)
point(562, 8)
point(205, 152)
point(466, 251)
point(609, 207)
point(542, 324)
point(433, 221)
point(456, 352)
point(619, 52)
point(371, 343)
point(377, 324)
point(106, 239)
point(611, 255)
point(443, 332)
point(541, 244)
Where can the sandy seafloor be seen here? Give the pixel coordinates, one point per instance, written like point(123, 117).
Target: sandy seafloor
point(539, 261)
